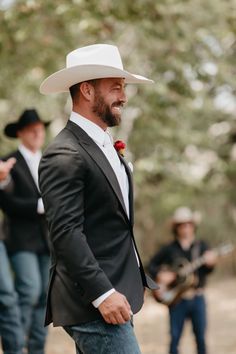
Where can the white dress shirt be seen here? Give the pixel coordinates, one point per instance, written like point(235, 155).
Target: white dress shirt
point(32, 159)
point(104, 141)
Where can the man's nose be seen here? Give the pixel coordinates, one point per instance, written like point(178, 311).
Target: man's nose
point(123, 97)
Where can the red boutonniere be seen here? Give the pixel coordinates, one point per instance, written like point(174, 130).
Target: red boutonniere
point(119, 145)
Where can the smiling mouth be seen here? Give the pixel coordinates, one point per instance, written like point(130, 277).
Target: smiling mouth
point(117, 108)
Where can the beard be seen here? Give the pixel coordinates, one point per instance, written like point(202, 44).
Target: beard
point(104, 111)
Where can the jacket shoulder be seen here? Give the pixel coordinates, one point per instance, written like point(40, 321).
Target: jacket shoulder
point(64, 140)
point(63, 153)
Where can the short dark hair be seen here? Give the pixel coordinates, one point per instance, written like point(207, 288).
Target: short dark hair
point(175, 228)
point(74, 90)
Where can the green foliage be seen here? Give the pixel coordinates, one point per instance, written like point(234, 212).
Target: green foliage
point(180, 131)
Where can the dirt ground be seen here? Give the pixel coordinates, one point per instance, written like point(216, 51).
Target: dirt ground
point(151, 325)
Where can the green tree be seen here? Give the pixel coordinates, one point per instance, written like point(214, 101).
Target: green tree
point(180, 131)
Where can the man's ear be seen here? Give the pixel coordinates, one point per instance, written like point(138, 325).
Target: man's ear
point(87, 91)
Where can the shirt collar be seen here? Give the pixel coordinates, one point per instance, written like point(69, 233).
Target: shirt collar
point(179, 245)
point(93, 130)
point(28, 154)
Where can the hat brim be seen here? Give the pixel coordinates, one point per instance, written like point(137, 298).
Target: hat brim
point(62, 80)
point(183, 221)
point(11, 129)
point(194, 220)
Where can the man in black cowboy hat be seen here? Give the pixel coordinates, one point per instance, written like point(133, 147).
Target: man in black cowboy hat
point(11, 333)
point(26, 239)
point(190, 304)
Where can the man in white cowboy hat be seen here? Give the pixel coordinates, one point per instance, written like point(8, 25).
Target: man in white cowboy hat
point(97, 278)
point(188, 301)
point(26, 229)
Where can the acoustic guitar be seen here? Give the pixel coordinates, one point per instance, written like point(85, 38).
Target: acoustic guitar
point(185, 278)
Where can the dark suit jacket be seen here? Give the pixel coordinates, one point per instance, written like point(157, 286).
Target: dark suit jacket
point(92, 237)
point(26, 230)
point(1, 228)
point(7, 189)
point(1, 232)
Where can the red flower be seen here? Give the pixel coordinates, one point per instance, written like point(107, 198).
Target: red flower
point(120, 147)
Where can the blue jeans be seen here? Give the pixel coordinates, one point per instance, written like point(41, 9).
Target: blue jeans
point(31, 279)
point(10, 324)
point(195, 310)
point(99, 337)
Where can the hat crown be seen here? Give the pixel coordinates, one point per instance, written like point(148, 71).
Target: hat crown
point(97, 54)
point(183, 214)
point(29, 115)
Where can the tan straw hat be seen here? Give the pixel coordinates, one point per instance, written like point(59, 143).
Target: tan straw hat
point(184, 215)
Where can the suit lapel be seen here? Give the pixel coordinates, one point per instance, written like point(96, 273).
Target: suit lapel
point(25, 168)
point(100, 159)
point(131, 196)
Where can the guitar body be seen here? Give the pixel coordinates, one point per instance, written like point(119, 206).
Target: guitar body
point(170, 294)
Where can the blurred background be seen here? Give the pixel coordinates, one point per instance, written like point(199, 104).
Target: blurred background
point(180, 132)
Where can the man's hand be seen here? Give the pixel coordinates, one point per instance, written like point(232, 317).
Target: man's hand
point(166, 277)
point(115, 309)
point(210, 258)
point(5, 167)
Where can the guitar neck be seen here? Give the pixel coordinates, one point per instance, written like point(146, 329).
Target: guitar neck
point(192, 266)
point(198, 262)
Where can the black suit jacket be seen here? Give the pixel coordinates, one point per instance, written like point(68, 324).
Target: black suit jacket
point(1, 228)
point(8, 189)
point(25, 229)
point(91, 235)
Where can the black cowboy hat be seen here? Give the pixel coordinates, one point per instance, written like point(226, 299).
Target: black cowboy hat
point(28, 117)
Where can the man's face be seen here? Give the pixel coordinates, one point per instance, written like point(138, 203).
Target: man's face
point(32, 136)
point(186, 230)
point(109, 99)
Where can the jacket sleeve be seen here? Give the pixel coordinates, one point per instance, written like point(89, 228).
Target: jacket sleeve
point(62, 176)
point(18, 207)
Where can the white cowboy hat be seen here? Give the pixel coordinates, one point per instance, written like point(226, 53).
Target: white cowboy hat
point(184, 215)
point(92, 62)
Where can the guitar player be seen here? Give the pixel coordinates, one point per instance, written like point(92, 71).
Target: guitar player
point(191, 303)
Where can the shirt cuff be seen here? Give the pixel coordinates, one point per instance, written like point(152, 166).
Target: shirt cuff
point(97, 302)
point(4, 184)
point(40, 207)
